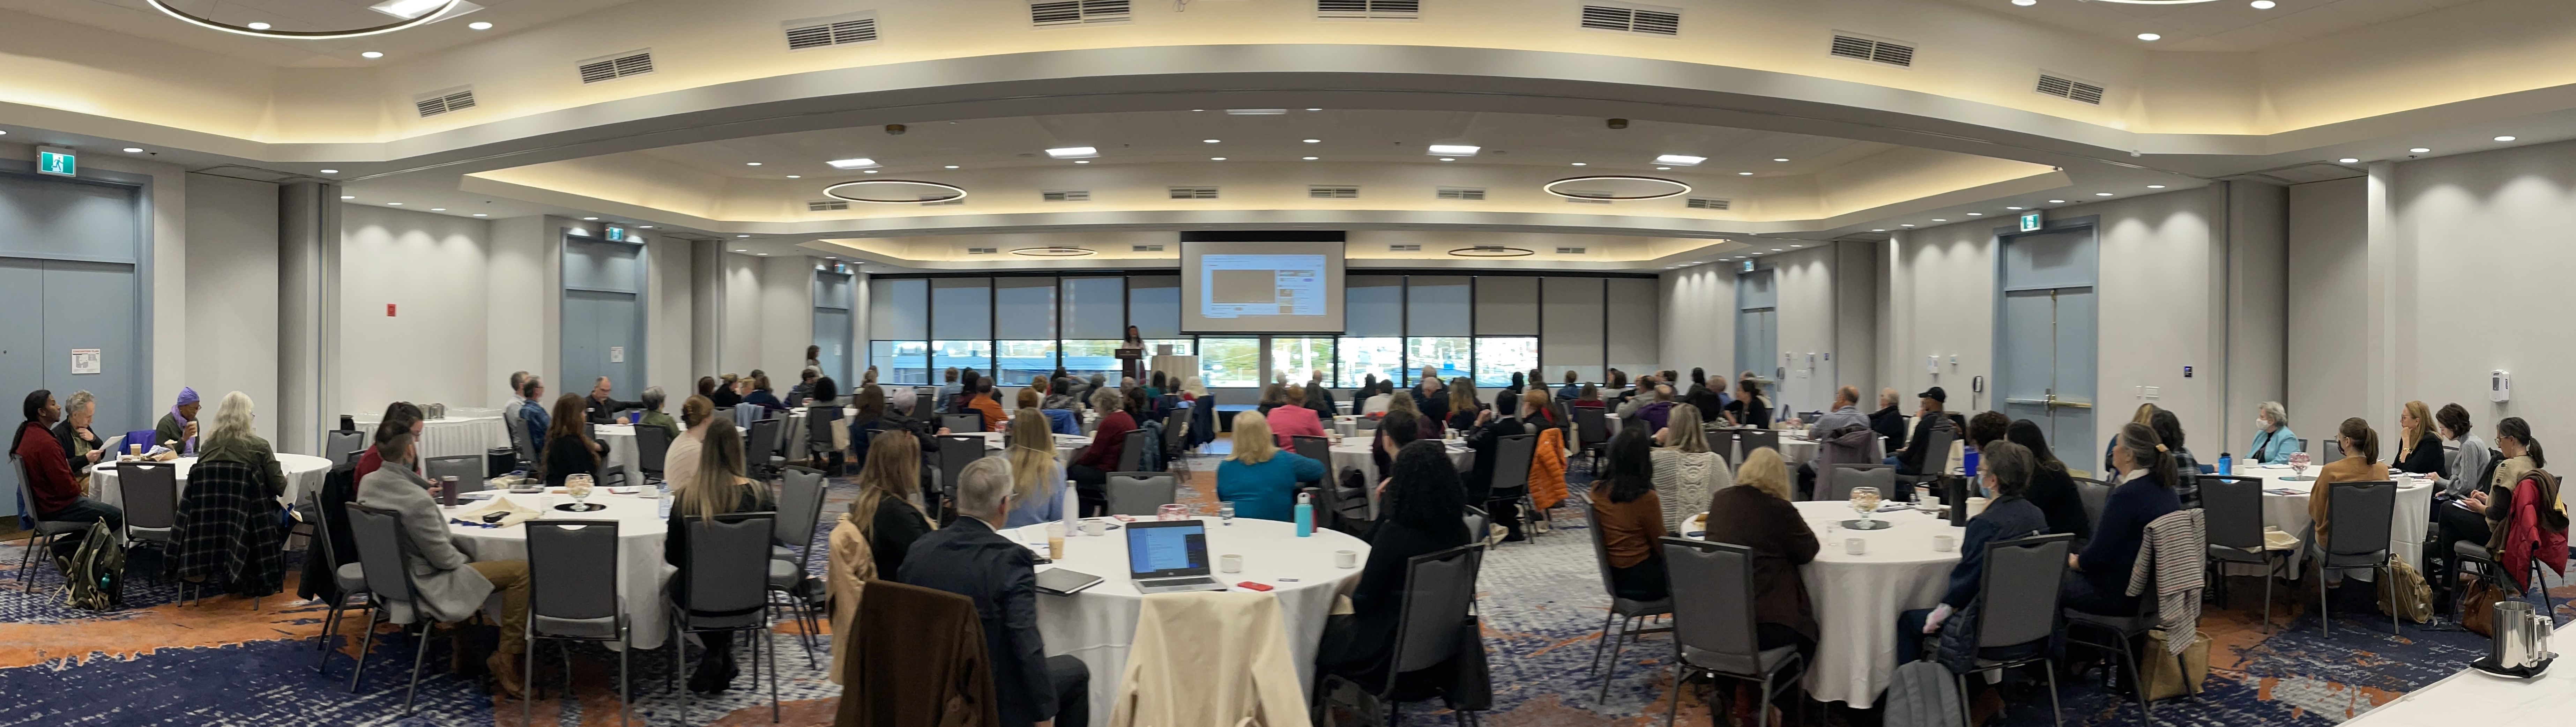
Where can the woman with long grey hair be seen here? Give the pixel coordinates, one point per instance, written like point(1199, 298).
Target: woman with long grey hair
point(234, 439)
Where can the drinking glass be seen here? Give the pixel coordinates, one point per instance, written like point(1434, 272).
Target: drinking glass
point(1225, 512)
point(578, 486)
point(1865, 501)
point(2299, 464)
point(1172, 512)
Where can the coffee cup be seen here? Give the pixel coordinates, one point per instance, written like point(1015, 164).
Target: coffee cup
point(1976, 506)
point(1346, 559)
point(1856, 546)
point(1945, 543)
point(1229, 563)
point(1093, 527)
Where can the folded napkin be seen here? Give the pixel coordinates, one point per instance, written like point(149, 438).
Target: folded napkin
point(516, 513)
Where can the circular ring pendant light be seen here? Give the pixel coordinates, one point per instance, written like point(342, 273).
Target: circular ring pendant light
point(1677, 188)
point(211, 23)
point(856, 191)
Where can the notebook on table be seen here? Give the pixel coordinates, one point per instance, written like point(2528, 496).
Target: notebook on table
point(1065, 582)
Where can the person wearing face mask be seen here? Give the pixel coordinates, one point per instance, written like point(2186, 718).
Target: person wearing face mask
point(2007, 471)
point(2273, 441)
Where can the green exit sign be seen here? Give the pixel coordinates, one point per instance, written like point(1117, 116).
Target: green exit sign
point(2031, 222)
point(57, 161)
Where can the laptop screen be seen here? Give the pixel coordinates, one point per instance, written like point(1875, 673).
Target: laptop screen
point(1163, 549)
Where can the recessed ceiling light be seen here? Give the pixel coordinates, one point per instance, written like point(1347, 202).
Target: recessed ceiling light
point(133, 150)
point(1938, 219)
point(330, 171)
point(1211, 141)
point(2101, 194)
point(1663, 169)
point(2349, 160)
point(1779, 160)
point(437, 209)
point(1578, 164)
point(1445, 159)
point(479, 25)
point(1680, 160)
point(2025, 3)
point(348, 196)
point(1797, 246)
point(1909, 224)
point(1879, 230)
point(2155, 186)
point(751, 164)
point(1216, 159)
point(2420, 150)
point(952, 166)
point(1082, 161)
point(1744, 174)
point(764, 254)
point(2265, 4)
point(795, 176)
point(259, 26)
point(1453, 150)
point(589, 218)
point(871, 171)
point(1778, 250)
point(1073, 152)
point(1314, 109)
point(479, 214)
point(371, 54)
point(2504, 138)
point(1314, 141)
point(2150, 37)
point(742, 251)
point(740, 236)
point(1976, 214)
point(393, 204)
point(639, 227)
point(2057, 201)
point(852, 163)
point(2012, 208)
point(1312, 158)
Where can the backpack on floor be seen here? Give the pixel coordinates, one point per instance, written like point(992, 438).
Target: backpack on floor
point(2413, 598)
point(94, 574)
point(1922, 694)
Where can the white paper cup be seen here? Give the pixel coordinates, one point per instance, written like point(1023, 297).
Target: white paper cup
point(1976, 506)
point(1856, 546)
point(1945, 543)
point(1093, 527)
point(1229, 563)
point(1346, 559)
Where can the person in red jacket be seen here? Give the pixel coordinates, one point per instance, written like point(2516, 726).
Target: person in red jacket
point(51, 493)
point(1090, 472)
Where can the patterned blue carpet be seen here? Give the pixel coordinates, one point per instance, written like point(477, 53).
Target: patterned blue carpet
point(227, 661)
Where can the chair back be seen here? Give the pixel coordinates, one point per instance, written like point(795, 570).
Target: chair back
point(1838, 486)
point(1141, 493)
point(1600, 551)
point(818, 428)
point(800, 507)
point(1936, 452)
point(572, 577)
point(1478, 524)
point(2303, 445)
point(1318, 449)
point(382, 552)
point(339, 446)
point(2094, 493)
point(151, 491)
point(652, 446)
point(967, 422)
point(1131, 449)
point(466, 468)
point(1512, 458)
point(1590, 427)
point(762, 441)
point(1438, 589)
point(1722, 441)
point(724, 412)
point(1713, 603)
point(728, 564)
point(2360, 514)
point(2334, 451)
point(2235, 509)
point(2018, 601)
point(1364, 424)
point(1758, 439)
point(955, 452)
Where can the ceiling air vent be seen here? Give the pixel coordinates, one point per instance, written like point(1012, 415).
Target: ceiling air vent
point(439, 102)
point(1702, 203)
point(827, 32)
point(1065, 195)
point(827, 205)
point(1404, 248)
point(1627, 18)
point(1460, 193)
point(935, 200)
point(1147, 248)
point(1193, 193)
point(983, 251)
point(1569, 251)
point(1332, 191)
point(1866, 48)
point(1061, 13)
point(1368, 9)
point(1582, 194)
point(2051, 84)
point(613, 67)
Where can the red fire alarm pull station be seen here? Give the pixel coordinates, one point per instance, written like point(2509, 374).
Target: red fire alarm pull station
point(389, 310)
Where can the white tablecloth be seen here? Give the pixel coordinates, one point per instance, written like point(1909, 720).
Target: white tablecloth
point(1353, 453)
point(622, 454)
point(795, 432)
point(1066, 445)
point(452, 436)
point(1857, 597)
point(640, 532)
point(2472, 697)
point(303, 474)
point(2290, 514)
point(1098, 624)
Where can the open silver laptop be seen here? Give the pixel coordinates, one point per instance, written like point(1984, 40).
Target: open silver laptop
point(1169, 556)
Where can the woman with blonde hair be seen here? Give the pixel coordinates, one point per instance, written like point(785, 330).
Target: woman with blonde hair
point(721, 488)
point(1037, 480)
point(1686, 473)
point(1257, 477)
point(2419, 449)
point(1463, 404)
point(888, 482)
point(233, 439)
point(1759, 516)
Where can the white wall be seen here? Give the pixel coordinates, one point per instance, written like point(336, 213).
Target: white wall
point(1699, 319)
point(668, 320)
point(786, 317)
point(525, 290)
point(232, 293)
point(1805, 281)
point(1940, 301)
point(436, 270)
point(2328, 307)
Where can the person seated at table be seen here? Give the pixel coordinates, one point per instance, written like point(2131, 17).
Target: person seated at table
point(1485, 440)
point(2461, 476)
point(1887, 421)
point(1658, 412)
point(2168, 426)
point(725, 394)
point(233, 439)
point(983, 402)
point(888, 481)
point(2005, 475)
point(601, 408)
point(718, 487)
point(569, 448)
point(1463, 406)
point(1379, 399)
point(652, 401)
point(1319, 400)
point(824, 391)
point(533, 420)
point(970, 558)
point(2492, 501)
point(1917, 454)
point(2146, 414)
point(1090, 471)
point(1059, 395)
point(1589, 399)
point(178, 429)
point(680, 460)
point(761, 395)
point(1750, 408)
point(1844, 414)
point(2101, 580)
point(881, 410)
point(81, 447)
point(1157, 384)
point(1421, 511)
point(796, 394)
point(400, 416)
point(2052, 488)
point(1037, 479)
point(2419, 450)
point(1757, 515)
point(1426, 425)
point(1631, 515)
point(449, 588)
point(1398, 428)
point(2273, 440)
point(1273, 396)
point(1293, 419)
point(1260, 477)
point(1686, 472)
point(50, 489)
point(2360, 463)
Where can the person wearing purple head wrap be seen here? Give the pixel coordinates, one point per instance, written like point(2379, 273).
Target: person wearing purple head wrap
point(178, 429)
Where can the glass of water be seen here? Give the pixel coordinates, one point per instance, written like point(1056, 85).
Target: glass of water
point(1225, 512)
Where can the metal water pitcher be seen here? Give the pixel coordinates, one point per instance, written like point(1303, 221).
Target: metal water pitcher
point(2521, 636)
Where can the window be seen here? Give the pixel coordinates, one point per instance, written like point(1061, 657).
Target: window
point(1363, 357)
point(1094, 356)
point(1447, 355)
point(962, 355)
point(1498, 357)
point(1023, 360)
point(1180, 346)
point(900, 362)
point(1299, 358)
point(1230, 362)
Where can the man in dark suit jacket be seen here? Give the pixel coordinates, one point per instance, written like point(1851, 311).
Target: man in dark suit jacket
point(968, 558)
point(1887, 421)
point(1917, 455)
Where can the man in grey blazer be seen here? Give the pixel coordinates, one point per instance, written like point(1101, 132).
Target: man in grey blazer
point(451, 589)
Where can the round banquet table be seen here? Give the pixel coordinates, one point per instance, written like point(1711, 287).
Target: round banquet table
point(794, 429)
point(451, 436)
point(640, 570)
point(622, 455)
point(1857, 597)
point(1066, 445)
point(1353, 453)
point(2289, 512)
point(303, 474)
point(1098, 624)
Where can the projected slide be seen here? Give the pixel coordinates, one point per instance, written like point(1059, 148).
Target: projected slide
point(1262, 285)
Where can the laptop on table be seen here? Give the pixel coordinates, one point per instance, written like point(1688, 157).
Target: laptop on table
point(1169, 556)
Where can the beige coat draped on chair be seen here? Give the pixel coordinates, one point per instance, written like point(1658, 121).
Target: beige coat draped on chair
point(1210, 659)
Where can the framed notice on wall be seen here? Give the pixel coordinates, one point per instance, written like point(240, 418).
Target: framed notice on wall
point(617, 354)
point(85, 361)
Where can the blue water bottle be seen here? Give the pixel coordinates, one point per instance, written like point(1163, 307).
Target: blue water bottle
point(2226, 464)
point(1305, 516)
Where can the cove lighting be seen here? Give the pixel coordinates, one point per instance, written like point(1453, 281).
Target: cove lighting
point(1578, 164)
point(1074, 152)
point(1453, 150)
point(742, 251)
point(393, 204)
point(1976, 214)
point(639, 227)
point(479, 214)
point(740, 236)
point(1743, 174)
point(422, 12)
point(408, 9)
point(259, 26)
point(1937, 219)
point(855, 163)
point(437, 209)
point(952, 166)
point(872, 171)
point(2057, 201)
point(1680, 160)
point(795, 176)
point(1448, 159)
point(1082, 161)
point(2025, 3)
point(1779, 160)
point(2101, 194)
point(1663, 169)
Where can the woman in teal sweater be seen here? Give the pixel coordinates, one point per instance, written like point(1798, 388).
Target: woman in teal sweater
point(1259, 479)
point(2273, 441)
